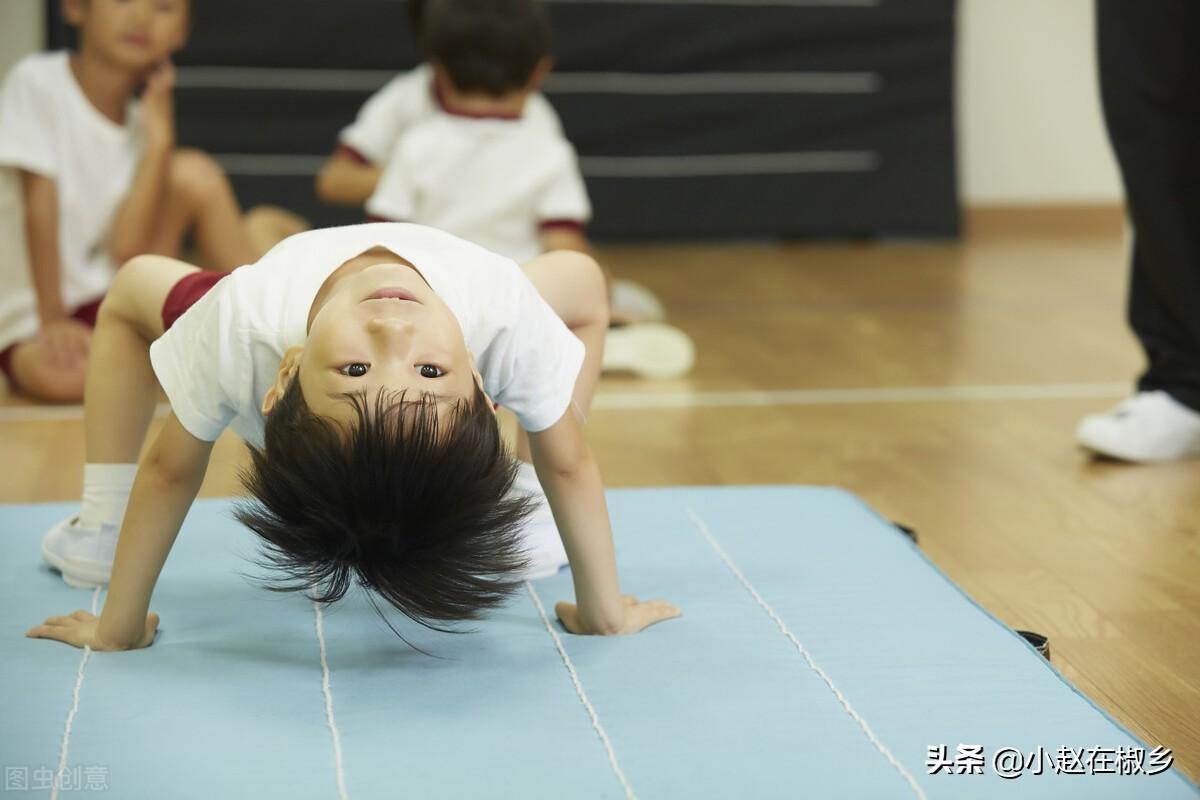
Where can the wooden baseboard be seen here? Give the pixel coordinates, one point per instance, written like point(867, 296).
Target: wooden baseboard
point(1044, 220)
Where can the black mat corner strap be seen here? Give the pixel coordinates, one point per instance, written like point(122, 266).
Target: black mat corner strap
point(1040, 643)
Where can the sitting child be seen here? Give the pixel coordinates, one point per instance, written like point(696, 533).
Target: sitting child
point(360, 364)
point(90, 176)
point(351, 174)
point(467, 143)
point(480, 166)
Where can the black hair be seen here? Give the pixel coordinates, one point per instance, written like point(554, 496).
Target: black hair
point(486, 46)
point(416, 512)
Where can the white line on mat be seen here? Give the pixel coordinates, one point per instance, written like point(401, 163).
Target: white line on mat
point(566, 659)
point(333, 729)
point(862, 723)
point(66, 740)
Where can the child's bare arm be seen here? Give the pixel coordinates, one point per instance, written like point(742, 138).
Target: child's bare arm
point(166, 485)
point(571, 479)
point(344, 181)
point(40, 195)
point(138, 217)
point(65, 339)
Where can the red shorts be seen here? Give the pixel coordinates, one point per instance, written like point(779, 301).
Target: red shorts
point(185, 293)
point(86, 314)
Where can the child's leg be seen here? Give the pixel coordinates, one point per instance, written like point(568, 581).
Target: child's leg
point(121, 390)
point(119, 399)
point(200, 200)
point(267, 226)
point(574, 286)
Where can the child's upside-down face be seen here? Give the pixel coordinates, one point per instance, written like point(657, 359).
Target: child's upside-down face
point(380, 328)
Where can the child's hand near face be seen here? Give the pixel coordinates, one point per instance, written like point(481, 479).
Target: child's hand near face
point(158, 107)
point(638, 615)
point(79, 630)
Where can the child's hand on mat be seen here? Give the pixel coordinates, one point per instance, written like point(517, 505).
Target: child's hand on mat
point(638, 615)
point(158, 107)
point(66, 341)
point(79, 630)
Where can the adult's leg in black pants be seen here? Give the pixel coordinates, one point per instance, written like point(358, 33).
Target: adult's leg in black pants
point(1150, 85)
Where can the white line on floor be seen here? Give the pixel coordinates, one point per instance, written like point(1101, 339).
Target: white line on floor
point(636, 401)
point(595, 718)
point(40, 413)
point(66, 740)
point(55, 413)
point(862, 723)
point(640, 401)
point(333, 729)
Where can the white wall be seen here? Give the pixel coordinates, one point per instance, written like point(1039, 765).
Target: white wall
point(1029, 121)
point(22, 27)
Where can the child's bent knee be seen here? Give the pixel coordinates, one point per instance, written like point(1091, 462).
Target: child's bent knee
point(576, 260)
point(195, 173)
point(583, 271)
point(133, 274)
point(574, 285)
point(139, 290)
point(590, 280)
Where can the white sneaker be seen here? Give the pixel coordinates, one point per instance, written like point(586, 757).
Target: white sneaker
point(632, 302)
point(543, 545)
point(1150, 426)
point(649, 349)
point(84, 556)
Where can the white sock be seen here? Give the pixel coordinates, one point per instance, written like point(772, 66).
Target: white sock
point(526, 481)
point(105, 494)
point(543, 546)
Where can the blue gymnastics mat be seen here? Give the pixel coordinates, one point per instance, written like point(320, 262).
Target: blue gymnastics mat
point(820, 655)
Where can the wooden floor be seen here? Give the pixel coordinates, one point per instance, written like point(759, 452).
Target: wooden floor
point(799, 349)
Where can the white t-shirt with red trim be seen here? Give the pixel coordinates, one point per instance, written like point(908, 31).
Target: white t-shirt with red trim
point(218, 360)
point(48, 127)
point(495, 181)
point(407, 99)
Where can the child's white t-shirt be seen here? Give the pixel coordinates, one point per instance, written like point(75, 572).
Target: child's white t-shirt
point(407, 99)
point(48, 127)
point(492, 181)
point(218, 360)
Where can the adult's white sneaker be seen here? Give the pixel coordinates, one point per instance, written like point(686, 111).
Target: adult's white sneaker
point(84, 556)
point(1150, 426)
